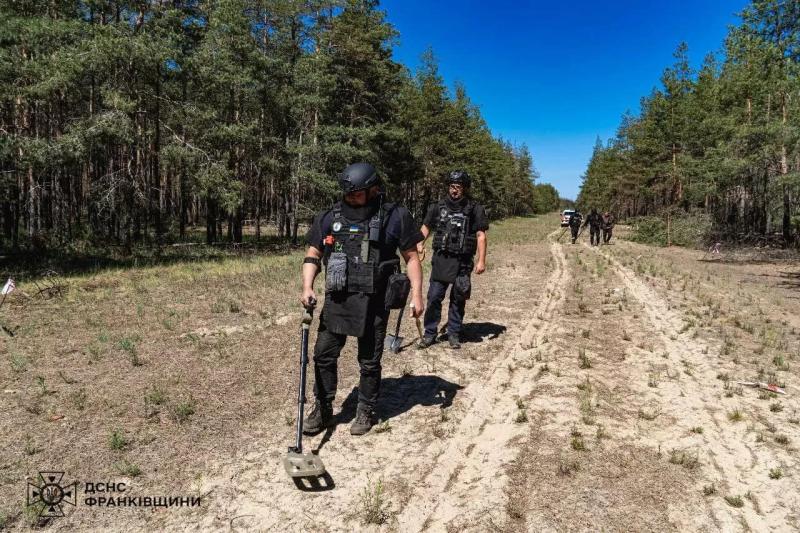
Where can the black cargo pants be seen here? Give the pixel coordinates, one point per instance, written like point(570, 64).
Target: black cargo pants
point(594, 235)
point(370, 350)
point(574, 230)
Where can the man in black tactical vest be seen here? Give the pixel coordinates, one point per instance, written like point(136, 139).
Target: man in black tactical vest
point(357, 240)
point(594, 221)
point(459, 226)
point(575, 225)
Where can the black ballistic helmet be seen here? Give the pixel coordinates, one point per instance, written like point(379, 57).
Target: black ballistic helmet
point(357, 177)
point(459, 176)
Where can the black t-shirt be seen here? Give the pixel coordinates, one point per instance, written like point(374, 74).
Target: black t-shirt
point(447, 267)
point(400, 231)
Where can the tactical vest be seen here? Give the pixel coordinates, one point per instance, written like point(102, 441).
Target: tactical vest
point(453, 234)
point(360, 243)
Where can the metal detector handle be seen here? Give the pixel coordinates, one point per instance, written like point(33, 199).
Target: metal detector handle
point(308, 315)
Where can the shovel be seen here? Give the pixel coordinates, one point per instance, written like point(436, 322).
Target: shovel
point(395, 342)
point(296, 463)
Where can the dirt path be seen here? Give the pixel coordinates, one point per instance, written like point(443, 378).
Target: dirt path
point(597, 408)
point(739, 462)
point(596, 390)
point(450, 427)
point(467, 482)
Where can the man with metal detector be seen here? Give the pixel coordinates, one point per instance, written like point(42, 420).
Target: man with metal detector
point(459, 226)
point(358, 240)
point(575, 225)
point(594, 221)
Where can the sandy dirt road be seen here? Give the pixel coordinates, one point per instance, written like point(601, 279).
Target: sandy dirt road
point(597, 408)
point(596, 390)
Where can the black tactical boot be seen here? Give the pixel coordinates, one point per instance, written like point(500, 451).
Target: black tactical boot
point(426, 342)
point(364, 420)
point(318, 419)
point(455, 342)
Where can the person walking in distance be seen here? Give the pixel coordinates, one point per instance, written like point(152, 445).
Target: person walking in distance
point(459, 228)
point(608, 226)
point(575, 225)
point(357, 240)
point(594, 222)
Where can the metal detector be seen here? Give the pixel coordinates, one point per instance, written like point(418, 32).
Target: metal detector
point(296, 463)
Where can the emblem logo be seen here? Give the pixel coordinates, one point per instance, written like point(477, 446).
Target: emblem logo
point(51, 494)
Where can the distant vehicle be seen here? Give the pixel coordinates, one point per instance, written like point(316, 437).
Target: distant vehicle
point(565, 216)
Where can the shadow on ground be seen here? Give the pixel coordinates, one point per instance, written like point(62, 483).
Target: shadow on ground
point(481, 331)
point(397, 396)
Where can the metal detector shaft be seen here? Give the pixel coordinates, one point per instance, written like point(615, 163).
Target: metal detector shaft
point(301, 396)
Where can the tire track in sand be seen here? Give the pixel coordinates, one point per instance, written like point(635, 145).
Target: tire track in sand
point(467, 482)
point(731, 449)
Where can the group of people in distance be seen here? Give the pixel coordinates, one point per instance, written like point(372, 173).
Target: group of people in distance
point(596, 223)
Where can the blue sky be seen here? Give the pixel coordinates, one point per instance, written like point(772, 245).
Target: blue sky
point(556, 75)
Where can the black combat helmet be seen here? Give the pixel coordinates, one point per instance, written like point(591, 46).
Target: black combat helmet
point(357, 177)
point(459, 176)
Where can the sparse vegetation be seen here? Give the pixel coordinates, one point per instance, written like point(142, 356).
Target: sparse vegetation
point(383, 427)
point(183, 410)
point(372, 504)
point(117, 440)
point(583, 359)
point(687, 459)
point(649, 412)
point(577, 442)
point(128, 345)
point(568, 467)
point(19, 362)
point(735, 415)
point(126, 468)
point(734, 501)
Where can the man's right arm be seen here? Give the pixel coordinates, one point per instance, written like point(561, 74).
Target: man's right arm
point(310, 271)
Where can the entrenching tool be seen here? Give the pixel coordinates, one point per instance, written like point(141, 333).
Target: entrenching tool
point(395, 342)
point(297, 463)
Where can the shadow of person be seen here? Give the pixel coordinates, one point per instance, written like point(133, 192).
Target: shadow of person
point(481, 331)
point(397, 396)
